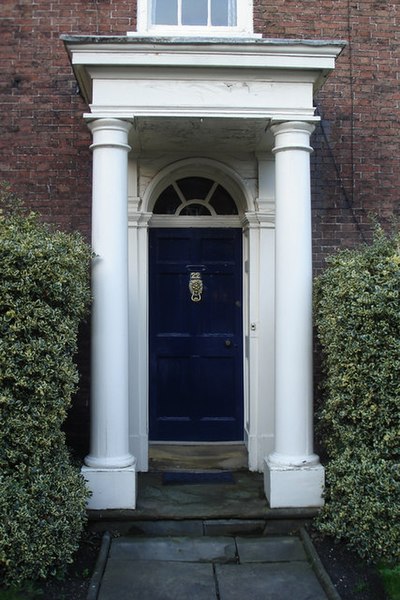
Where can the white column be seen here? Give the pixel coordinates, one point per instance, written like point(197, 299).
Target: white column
point(110, 468)
point(293, 475)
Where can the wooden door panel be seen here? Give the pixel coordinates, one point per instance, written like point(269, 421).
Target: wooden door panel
point(196, 384)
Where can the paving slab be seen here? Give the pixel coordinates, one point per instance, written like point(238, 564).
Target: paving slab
point(270, 549)
point(183, 549)
point(209, 568)
point(140, 580)
point(277, 581)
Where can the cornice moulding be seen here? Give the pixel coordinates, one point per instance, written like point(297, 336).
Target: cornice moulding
point(263, 53)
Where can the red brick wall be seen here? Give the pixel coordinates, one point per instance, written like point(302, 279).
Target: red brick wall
point(356, 160)
point(44, 144)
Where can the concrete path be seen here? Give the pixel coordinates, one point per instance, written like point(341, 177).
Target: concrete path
point(223, 567)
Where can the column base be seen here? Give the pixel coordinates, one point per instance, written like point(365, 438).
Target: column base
point(293, 487)
point(111, 488)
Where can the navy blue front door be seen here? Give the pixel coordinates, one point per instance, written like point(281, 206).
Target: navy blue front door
point(196, 356)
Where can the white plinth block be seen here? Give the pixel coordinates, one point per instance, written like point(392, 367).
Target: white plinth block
point(293, 487)
point(111, 488)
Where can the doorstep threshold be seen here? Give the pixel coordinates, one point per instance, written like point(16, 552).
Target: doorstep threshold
point(173, 456)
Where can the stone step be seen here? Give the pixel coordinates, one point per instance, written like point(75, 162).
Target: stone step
point(243, 499)
point(200, 527)
point(175, 549)
point(214, 549)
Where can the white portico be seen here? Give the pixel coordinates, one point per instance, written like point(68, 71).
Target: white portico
point(238, 114)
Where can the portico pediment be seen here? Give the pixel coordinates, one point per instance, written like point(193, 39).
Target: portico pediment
point(185, 81)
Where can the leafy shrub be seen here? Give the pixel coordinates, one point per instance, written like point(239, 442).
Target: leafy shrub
point(358, 322)
point(44, 294)
point(391, 581)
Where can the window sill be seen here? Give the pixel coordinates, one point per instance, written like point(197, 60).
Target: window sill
point(195, 32)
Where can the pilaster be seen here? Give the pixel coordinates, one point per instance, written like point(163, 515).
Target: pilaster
point(138, 326)
point(259, 232)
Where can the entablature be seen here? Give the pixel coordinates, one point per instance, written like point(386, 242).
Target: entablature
point(243, 82)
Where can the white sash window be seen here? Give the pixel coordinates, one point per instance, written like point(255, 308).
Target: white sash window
point(219, 18)
point(210, 13)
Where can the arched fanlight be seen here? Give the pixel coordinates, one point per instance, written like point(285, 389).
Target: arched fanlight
point(195, 196)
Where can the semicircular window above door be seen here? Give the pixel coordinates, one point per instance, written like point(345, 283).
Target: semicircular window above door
point(195, 196)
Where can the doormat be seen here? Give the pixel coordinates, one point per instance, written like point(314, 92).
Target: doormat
point(193, 477)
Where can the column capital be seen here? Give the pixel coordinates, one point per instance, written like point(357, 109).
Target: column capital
point(279, 123)
point(258, 220)
point(110, 132)
point(292, 135)
point(138, 219)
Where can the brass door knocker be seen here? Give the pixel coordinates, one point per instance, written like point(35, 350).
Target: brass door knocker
point(195, 286)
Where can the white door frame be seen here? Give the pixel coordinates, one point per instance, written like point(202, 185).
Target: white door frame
point(258, 300)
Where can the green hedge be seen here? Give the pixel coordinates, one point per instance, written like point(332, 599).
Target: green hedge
point(357, 314)
point(44, 294)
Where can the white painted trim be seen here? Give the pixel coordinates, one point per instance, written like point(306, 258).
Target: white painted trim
point(138, 328)
point(311, 58)
point(259, 445)
point(265, 114)
point(300, 55)
point(185, 221)
point(196, 32)
point(259, 229)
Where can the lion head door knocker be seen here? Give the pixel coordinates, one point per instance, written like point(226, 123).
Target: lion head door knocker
point(195, 286)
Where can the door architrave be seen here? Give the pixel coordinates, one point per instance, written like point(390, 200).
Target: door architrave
point(258, 242)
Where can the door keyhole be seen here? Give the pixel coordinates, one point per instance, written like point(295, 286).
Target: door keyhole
point(228, 343)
